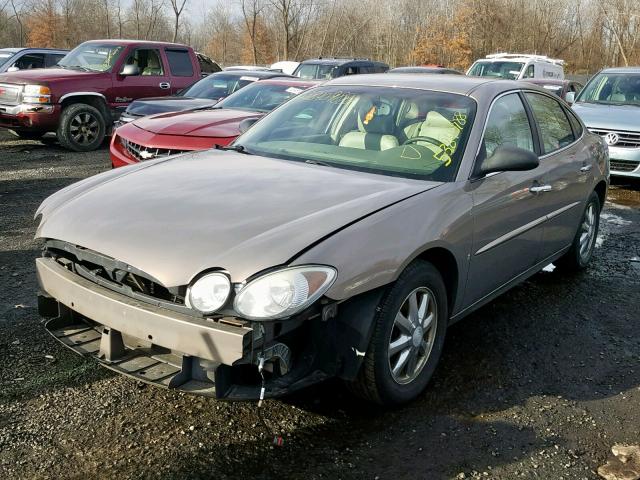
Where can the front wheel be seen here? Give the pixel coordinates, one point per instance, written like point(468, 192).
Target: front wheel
point(408, 337)
point(584, 242)
point(82, 128)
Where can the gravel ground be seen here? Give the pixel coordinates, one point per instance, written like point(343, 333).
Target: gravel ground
point(538, 384)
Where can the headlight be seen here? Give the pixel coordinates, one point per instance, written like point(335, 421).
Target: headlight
point(36, 94)
point(209, 292)
point(284, 292)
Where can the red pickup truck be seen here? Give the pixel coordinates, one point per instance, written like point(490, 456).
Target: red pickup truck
point(81, 98)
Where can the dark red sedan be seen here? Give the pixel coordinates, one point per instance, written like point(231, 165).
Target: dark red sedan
point(199, 129)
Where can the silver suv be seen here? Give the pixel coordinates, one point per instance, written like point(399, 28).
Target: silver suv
point(610, 106)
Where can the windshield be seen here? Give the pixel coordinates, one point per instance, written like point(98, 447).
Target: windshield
point(315, 71)
point(508, 70)
point(5, 56)
point(612, 89)
point(218, 86)
point(93, 57)
point(260, 97)
point(392, 131)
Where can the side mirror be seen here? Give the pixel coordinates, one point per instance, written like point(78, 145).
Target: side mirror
point(506, 158)
point(130, 70)
point(13, 69)
point(570, 97)
point(245, 124)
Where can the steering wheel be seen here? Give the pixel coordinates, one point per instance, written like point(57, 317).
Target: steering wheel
point(431, 140)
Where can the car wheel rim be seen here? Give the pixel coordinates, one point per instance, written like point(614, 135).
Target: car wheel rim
point(587, 231)
point(412, 335)
point(84, 128)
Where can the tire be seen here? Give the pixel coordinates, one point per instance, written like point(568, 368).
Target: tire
point(82, 128)
point(579, 255)
point(376, 381)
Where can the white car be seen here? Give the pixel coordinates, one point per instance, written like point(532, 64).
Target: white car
point(514, 66)
point(285, 67)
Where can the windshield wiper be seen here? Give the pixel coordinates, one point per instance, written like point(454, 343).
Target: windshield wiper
point(76, 67)
point(234, 148)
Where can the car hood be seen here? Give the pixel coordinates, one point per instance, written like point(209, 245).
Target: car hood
point(201, 123)
point(43, 75)
point(609, 117)
point(174, 218)
point(155, 105)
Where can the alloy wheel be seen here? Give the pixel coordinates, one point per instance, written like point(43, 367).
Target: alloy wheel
point(412, 335)
point(84, 128)
point(587, 232)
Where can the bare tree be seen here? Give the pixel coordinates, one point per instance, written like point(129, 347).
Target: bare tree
point(177, 8)
point(251, 10)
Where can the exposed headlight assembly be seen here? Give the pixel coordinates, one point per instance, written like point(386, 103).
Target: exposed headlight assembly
point(209, 292)
point(284, 292)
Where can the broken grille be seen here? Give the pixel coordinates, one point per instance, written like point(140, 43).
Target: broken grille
point(142, 152)
point(113, 274)
point(625, 139)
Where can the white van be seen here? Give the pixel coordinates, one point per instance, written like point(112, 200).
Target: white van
point(513, 66)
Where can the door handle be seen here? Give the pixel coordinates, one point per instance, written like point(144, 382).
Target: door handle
point(586, 168)
point(540, 188)
point(165, 85)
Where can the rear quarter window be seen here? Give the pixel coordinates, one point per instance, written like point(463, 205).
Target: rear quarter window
point(179, 62)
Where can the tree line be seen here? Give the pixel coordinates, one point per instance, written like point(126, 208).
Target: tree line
point(587, 34)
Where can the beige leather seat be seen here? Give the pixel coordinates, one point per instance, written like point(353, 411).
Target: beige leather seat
point(372, 134)
point(435, 126)
point(153, 65)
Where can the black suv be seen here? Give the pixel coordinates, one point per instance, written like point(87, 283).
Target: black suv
point(326, 68)
point(13, 59)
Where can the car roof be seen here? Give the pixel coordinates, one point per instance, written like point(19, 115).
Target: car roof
point(334, 61)
point(622, 70)
point(18, 49)
point(252, 73)
point(119, 41)
point(292, 82)
point(459, 84)
point(422, 69)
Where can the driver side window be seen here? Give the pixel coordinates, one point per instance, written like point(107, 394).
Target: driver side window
point(147, 60)
point(508, 124)
point(530, 72)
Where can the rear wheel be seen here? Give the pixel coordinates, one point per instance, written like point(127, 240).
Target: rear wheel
point(581, 251)
point(407, 340)
point(82, 128)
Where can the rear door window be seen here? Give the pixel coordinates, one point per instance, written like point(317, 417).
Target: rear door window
point(179, 62)
point(554, 126)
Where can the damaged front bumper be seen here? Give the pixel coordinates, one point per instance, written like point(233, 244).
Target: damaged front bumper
point(167, 348)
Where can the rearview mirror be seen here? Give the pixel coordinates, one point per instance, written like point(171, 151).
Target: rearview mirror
point(507, 158)
point(245, 124)
point(570, 97)
point(130, 70)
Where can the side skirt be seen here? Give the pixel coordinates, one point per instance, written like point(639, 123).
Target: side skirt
point(507, 286)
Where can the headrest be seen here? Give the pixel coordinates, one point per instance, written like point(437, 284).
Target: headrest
point(374, 117)
point(412, 112)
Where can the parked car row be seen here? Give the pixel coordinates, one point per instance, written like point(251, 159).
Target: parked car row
point(104, 83)
point(338, 236)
